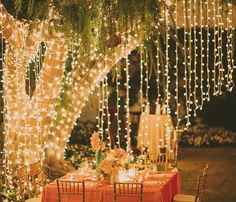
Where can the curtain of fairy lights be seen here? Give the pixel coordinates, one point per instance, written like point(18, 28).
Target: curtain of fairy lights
point(193, 62)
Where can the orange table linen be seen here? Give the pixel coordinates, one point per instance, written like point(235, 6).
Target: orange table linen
point(158, 187)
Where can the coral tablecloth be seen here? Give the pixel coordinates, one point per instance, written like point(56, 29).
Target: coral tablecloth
point(158, 187)
point(155, 131)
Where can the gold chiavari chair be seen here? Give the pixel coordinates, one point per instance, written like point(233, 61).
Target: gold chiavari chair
point(201, 185)
point(38, 177)
point(70, 187)
point(23, 179)
point(128, 189)
point(24, 185)
point(160, 160)
point(200, 189)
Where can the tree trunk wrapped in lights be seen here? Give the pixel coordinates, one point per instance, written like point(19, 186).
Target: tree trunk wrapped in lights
point(81, 88)
point(28, 119)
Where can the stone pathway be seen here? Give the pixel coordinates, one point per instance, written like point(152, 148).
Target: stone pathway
point(222, 171)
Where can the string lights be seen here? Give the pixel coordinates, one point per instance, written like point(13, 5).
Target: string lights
point(221, 68)
point(229, 45)
point(35, 114)
point(187, 102)
point(141, 96)
point(141, 77)
point(118, 131)
point(167, 38)
point(158, 72)
point(147, 106)
point(107, 113)
point(201, 56)
point(218, 49)
point(215, 48)
point(207, 52)
point(128, 129)
point(195, 58)
point(176, 66)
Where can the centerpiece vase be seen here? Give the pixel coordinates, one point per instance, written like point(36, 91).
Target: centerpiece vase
point(98, 161)
point(98, 157)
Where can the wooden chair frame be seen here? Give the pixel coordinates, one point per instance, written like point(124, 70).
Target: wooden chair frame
point(70, 187)
point(160, 159)
point(23, 179)
point(128, 189)
point(201, 185)
point(38, 177)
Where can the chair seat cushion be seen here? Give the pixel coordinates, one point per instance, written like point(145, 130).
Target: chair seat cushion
point(183, 198)
point(34, 200)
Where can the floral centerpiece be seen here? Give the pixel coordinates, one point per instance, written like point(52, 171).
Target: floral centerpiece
point(98, 145)
point(116, 159)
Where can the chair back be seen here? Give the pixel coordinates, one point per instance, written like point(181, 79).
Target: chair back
point(128, 189)
point(70, 187)
point(23, 179)
point(201, 185)
point(160, 160)
point(38, 177)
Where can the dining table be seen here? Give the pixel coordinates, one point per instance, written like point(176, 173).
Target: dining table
point(158, 186)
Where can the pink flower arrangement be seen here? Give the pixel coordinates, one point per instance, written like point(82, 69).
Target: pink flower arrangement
point(114, 161)
point(96, 142)
point(120, 154)
point(109, 167)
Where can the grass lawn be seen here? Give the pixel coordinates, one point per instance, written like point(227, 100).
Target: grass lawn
point(222, 171)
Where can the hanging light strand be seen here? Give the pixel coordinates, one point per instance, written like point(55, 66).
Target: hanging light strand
point(219, 33)
point(141, 76)
point(99, 95)
point(189, 57)
point(227, 76)
point(195, 58)
point(207, 52)
point(147, 77)
point(141, 96)
point(167, 60)
point(99, 108)
point(214, 53)
point(128, 129)
point(222, 71)
point(2, 60)
point(230, 48)
point(102, 110)
point(158, 71)
point(7, 152)
point(176, 66)
point(201, 56)
point(107, 112)
point(185, 67)
point(117, 106)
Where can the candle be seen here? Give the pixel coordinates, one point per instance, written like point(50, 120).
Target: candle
point(147, 109)
point(132, 172)
point(158, 109)
point(123, 176)
point(164, 109)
